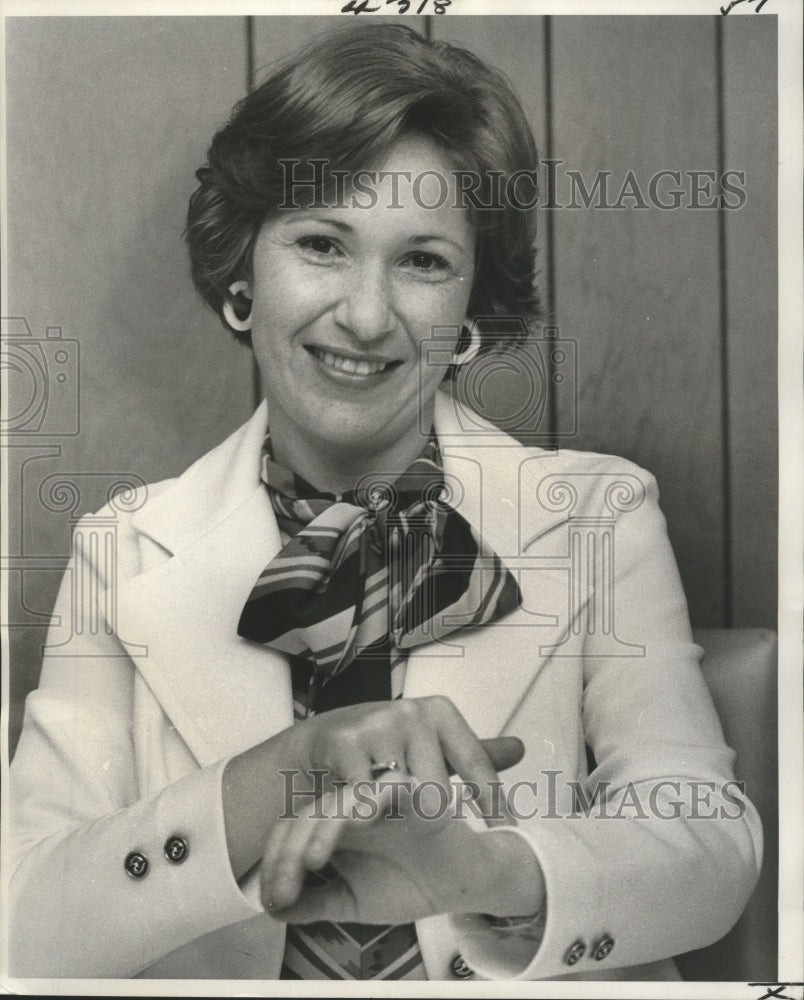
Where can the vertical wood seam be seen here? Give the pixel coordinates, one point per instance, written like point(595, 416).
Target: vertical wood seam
point(250, 55)
point(549, 311)
point(250, 62)
point(725, 423)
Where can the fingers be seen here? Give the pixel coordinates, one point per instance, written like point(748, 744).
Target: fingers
point(334, 902)
point(428, 738)
point(296, 845)
point(426, 759)
point(504, 751)
point(470, 760)
point(349, 742)
point(306, 842)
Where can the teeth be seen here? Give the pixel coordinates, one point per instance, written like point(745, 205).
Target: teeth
point(349, 365)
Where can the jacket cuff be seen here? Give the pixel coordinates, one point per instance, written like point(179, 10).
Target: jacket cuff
point(500, 947)
point(204, 882)
point(154, 876)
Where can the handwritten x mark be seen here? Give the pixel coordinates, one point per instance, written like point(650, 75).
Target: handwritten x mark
point(777, 992)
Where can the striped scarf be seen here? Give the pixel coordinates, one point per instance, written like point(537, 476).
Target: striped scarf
point(372, 572)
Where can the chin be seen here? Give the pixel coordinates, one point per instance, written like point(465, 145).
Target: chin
point(351, 441)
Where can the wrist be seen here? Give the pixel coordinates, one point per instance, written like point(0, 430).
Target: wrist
point(255, 788)
point(514, 882)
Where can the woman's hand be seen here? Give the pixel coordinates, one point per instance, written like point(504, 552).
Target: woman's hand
point(417, 859)
point(400, 847)
point(424, 737)
point(427, 738)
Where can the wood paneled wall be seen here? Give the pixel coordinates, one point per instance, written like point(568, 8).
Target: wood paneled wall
point(108, 118)
point(673, 312)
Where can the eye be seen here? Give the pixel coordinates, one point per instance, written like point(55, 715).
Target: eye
point(319, 246)
point(426, 263)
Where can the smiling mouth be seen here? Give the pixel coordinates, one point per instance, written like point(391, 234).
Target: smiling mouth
point(350, 366)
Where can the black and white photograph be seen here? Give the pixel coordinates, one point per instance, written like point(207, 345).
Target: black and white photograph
point(401, 456)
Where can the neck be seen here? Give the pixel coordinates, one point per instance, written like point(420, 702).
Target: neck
point(337, 469)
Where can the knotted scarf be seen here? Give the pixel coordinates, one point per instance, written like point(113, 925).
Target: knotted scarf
point(383, 568)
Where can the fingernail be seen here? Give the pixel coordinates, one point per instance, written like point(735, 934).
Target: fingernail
point(284, 893)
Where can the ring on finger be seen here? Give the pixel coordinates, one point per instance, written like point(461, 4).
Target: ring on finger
point(383, 767)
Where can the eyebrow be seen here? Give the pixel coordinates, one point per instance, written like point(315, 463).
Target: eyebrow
point(429, 237)
point(304, 216)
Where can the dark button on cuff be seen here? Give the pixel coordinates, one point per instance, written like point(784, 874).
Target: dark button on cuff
point(176, 849)
point(602, 947)
point(459, 968)
point(136, 865)
point(575, 952)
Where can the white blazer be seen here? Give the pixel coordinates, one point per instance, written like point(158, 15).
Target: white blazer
point(146, 692)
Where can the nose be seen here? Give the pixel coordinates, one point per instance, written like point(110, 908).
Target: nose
point(365, 308)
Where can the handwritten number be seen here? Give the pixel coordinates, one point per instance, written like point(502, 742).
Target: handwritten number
point(403, 6)
point(352, 7)
point(733, 3)
point(439, 6)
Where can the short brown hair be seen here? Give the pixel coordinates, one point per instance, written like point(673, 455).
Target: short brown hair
point(346, 99)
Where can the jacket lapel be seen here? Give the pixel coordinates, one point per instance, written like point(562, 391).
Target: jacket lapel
point(222, 693)
point(487, 671)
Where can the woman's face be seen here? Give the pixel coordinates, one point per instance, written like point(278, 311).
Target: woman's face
point(344, 296)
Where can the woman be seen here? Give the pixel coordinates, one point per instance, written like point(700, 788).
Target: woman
point(240, 769)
